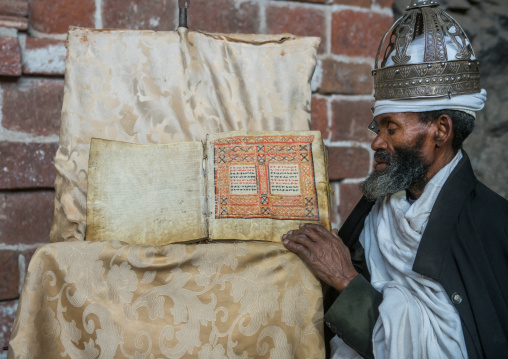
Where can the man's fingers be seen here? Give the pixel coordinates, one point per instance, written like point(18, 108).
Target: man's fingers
point(301, 232)
point(319, 229)
point(317, 232)
point(297, 248)
point(313, 234)
point(300, 238)
point(310, 233)
point(284, 236)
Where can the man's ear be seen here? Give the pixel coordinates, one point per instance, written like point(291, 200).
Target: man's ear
point(443, 130)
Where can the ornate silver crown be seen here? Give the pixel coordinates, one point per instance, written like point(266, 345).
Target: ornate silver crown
point(439, 71)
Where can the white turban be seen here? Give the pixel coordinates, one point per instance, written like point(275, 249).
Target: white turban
point(469, 103)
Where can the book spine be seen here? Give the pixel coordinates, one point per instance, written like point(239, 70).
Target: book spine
point(206, 211)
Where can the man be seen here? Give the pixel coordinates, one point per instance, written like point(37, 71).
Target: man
point(420, 267)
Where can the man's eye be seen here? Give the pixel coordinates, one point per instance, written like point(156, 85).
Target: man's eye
point(390, 129)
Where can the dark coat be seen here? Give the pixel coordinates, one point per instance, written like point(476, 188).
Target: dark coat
point(464, 247)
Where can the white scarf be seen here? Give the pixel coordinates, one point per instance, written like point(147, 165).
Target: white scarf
point(469, 103)
point(417, 319)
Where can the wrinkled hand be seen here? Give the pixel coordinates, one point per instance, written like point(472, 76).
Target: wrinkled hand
point(323, 252)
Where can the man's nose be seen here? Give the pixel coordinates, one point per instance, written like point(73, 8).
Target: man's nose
point(378, 143)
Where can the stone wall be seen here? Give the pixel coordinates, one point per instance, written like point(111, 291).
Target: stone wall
point(486, 24)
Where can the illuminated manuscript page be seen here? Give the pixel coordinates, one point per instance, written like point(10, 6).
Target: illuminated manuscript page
point(260, 185)
point(146, 193)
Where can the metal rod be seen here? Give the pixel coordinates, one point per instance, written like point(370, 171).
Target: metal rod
point(183, 5)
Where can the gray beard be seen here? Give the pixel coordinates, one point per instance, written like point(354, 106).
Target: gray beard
point(406, 169)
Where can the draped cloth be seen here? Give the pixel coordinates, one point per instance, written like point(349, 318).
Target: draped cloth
point(111, 300)
point(470, 103)
point(159, 87)
point(417, 318)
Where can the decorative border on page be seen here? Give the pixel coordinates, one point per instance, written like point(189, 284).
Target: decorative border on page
point(265, 177)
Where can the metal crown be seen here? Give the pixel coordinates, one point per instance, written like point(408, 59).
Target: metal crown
point(435, 75)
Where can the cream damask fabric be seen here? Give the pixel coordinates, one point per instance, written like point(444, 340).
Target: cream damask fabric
point(217, 300)
point(206, 301)
point(162, 87)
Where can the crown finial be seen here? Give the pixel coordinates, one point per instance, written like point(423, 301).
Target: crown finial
point(413, 4)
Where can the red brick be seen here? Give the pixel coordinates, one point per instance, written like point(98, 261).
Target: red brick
point(33, 43)
point(42, 117)
point(14, 22)
point(26, 217)
point(43, 56)
point(7, 315)
point(139, 14)
point(345, 78)
point(348, 162)
point(313, 1)
point(384, 3)
point(357, 33)
point(350, 120)
point(228, 16)
point(349, 194)
point(9, 274)
point(297, 20)
point(27, 165)
point(14, 7)
point(359, 3)
point(319, 116)
point(55, 16)
point(10, 56)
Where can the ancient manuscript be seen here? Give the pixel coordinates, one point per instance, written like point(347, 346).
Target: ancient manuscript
point(237, 185)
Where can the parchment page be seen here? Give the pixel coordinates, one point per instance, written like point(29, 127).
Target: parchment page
point(151, 194)
point(263, 184)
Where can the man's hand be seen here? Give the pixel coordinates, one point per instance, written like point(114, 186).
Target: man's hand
point(324, 252)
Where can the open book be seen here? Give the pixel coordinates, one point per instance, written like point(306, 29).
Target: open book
point(236, 185)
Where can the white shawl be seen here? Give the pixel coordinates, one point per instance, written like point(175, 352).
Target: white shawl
point(417, 319)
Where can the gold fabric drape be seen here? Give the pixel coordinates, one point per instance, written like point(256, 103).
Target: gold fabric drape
point(216, 300)
point(162, 87)
point(110, 299)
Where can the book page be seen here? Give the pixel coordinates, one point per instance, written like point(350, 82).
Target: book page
point(263, 184)
point(151, 194)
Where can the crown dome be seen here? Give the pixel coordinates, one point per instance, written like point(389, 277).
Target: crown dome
point(425, 54)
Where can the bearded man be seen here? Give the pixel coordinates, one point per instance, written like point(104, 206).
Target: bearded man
point(420, 267)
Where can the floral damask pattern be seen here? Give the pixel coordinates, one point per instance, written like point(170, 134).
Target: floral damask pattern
point(157, 87)
point(214, 300)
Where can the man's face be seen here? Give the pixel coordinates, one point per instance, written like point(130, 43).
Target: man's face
point(403, 155)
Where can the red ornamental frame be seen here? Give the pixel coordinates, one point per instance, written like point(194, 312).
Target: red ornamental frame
point(259, 152)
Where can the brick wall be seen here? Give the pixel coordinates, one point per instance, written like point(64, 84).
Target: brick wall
point(31, 88)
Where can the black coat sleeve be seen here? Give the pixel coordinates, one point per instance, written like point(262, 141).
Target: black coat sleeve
point(353, 315)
